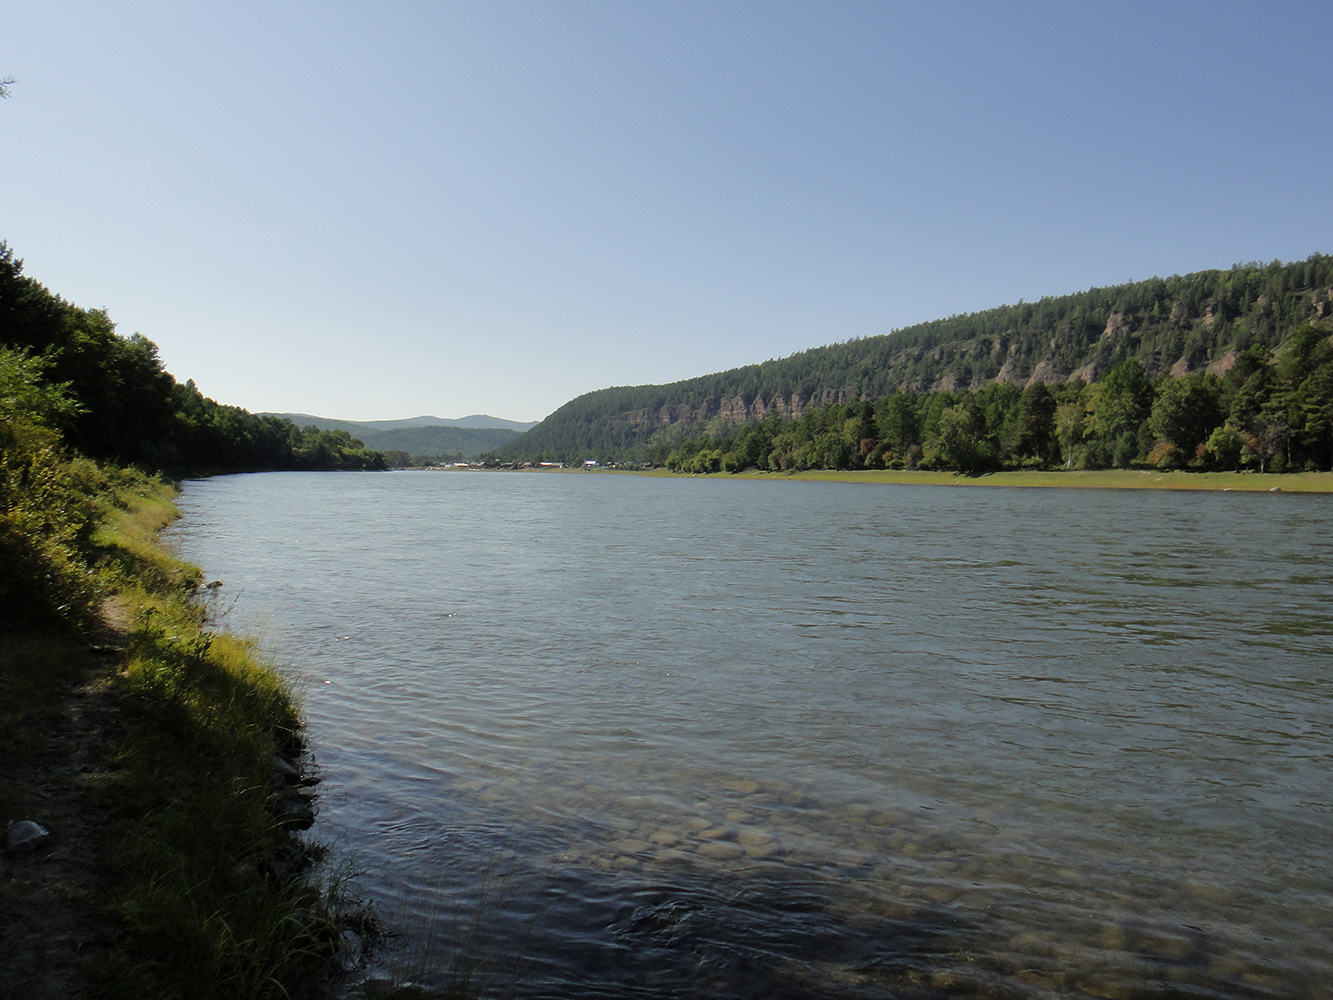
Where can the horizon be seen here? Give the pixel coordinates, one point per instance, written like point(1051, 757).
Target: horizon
point(497, 208)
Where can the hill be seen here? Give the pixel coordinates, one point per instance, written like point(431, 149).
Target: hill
point(422, 437)
point(436, 442)
point(1179, 324)
point(475, 422)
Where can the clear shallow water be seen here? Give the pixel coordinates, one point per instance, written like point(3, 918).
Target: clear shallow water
point(664, 738)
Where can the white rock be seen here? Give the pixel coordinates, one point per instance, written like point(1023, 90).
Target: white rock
point(26, 836)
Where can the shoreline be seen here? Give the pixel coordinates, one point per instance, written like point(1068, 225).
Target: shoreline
point(1102, 479)
point(165, 766)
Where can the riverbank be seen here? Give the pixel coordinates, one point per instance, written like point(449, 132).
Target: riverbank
point(164, 763)
point(1101, 479)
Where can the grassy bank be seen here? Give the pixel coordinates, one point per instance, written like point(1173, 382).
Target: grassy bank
point(1104, 479)
point(146, 742)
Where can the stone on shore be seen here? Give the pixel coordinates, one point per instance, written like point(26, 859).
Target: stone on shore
point(25, 836)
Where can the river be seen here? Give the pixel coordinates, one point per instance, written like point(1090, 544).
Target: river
point(614, 736)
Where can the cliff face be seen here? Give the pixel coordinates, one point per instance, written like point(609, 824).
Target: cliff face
point(729, 409)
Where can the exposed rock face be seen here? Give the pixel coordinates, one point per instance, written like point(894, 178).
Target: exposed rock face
point(1045, 372)
point(732, 409)
point(1011, 371)
point(1181, 368)
point(1223, 364)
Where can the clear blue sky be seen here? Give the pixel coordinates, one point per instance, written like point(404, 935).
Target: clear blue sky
point(372, 210)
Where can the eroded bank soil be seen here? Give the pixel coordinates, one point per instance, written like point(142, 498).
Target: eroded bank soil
point(58, 771)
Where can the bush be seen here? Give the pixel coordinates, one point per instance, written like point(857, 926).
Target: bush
point(47, 509)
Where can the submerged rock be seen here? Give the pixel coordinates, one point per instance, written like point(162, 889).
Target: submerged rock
point(26, 836)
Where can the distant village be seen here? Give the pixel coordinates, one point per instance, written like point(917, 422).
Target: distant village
point(494, 464)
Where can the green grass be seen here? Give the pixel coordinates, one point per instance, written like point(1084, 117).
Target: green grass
point(215, 898)
point(212, 898)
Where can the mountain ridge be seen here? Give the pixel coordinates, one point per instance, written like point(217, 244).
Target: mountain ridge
point(475, 421)
point(1172, 325)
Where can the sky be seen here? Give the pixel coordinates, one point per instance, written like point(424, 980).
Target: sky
point(375, 210)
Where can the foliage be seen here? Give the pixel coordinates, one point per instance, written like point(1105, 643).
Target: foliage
point(26, 394)
point(48, 505)
point(109, 397)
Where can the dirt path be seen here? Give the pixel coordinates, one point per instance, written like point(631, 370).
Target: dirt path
point(54, 940)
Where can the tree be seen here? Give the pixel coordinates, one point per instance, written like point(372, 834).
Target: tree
point(1036, 423)
point(1315, 399)
point(1265, 437)
point(1187, 410)
point(25, 393)
point(899, 421)
point(1224, 447)
point(1306, 349)
point(957, 443)
point(1070, 421)
point(1117, 407)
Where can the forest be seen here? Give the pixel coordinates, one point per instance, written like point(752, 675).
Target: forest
point(1263, 415)
point(109, 398)
point(1202, 325)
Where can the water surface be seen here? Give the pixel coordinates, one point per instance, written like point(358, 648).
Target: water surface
point(664, 738)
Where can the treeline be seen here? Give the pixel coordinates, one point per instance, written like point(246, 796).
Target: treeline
point(120, 405)
point(1267, 415)
point(1185, 322)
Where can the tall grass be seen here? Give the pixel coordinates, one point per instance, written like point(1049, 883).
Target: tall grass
point(216, 897)
point(213, 896)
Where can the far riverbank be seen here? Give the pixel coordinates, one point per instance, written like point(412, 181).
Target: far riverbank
point(1101, 479)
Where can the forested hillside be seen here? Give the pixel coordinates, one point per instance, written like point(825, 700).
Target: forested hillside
point(119, 404)
point(441, 443)
point(1170, 326)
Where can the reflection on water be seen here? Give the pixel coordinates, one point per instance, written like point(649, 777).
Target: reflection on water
point(750, 739)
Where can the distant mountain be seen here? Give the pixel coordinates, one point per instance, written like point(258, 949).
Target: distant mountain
point(476, 420)
point(1175, 324)
point(438, 442)
point(423, 437)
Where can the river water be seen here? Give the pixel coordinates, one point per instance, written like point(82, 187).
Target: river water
point(618, 736)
